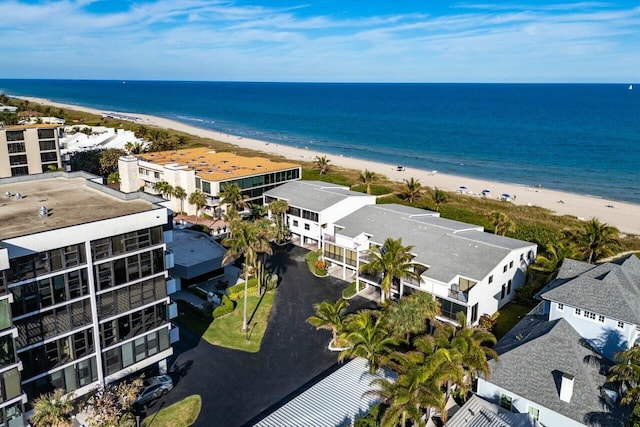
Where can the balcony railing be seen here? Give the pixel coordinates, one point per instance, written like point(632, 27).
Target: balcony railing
point(329, 238)
point(364, 258)
point(458, 295)
point(413, 281)
point(371, 278)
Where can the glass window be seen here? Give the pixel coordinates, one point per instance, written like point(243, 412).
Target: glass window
point(11, 384)
point(621, 325)
point(86, 371)
point(560, 307)
point(7, 353)
point(505, 401)
point(48, 145)
point(45, 133)
point(16, 147)
point(14, 415)
point(127, 354)
point(5, 314)
point(140, 350)
point(152, 343)
point(18, 159)
point(49, 157)
point(70, 378)
point(163, 336)
point(534, 412)
point(15, 135)
point(112, 361)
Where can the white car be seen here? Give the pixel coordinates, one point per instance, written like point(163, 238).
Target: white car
point(153, 388)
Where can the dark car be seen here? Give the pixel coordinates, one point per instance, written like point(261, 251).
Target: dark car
point(154, 388)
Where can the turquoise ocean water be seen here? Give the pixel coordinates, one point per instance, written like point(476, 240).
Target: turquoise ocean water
point(582, 138)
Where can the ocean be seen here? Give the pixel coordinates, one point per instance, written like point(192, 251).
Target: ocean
point(581, 138)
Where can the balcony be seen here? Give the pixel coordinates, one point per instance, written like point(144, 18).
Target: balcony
point(364, 258)
point(371, 278)
point(458, 296)
point(413, 282)
point(171, 285)
point(169, 259)
point(329, 238)
point(174, 334)
point(173, 310)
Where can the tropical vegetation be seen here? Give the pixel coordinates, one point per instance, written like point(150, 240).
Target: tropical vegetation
point(368, 178)
point(412, 190)
point(112, 405)
point(322, 164)
point(52, 410)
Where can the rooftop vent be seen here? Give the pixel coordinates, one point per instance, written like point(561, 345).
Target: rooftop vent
point(43, 212)
point(18, 196)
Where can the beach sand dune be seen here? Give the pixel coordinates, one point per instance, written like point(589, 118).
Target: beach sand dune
point(625, 216)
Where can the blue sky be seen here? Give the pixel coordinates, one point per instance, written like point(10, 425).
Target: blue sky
point(330, 40)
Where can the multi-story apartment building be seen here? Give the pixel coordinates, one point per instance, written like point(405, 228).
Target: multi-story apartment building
point(28, 149)
point(205, 170)
point(467, 270)
point(83, 271)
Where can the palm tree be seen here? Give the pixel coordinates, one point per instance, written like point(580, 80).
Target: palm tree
point(52, 410)
point(244, 242)
point(501, 223)
point(134, 147)
point(627, 372)
point(232, 196)
point(547, 265)
point(322, 164)
point(232, 217)
point(393, 261)
point(369, 338)
point(466, 343)
point(330, 315)
point(180, 194)
point(262, 246)
point(598, 240)
point(163, 188)
point(411, 314)
point(367, 178)
point(279, 209)
point(199, 200)
point(411, 191)
point(439, 196)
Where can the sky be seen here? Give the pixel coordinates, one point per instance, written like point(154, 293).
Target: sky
point(321, 41)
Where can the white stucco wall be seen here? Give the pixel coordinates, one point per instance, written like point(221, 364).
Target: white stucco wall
point(546, 417)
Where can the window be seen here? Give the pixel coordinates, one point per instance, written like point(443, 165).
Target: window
point(533, 411)
point(621, 325)
point(295, 222)
point(333, 251)
point(491, 279)
point(521, 257)
point(505, 401)
point(19, 170)
point(589, 315)
point(474, 313)
point(503, 291)
point(206, 187)
point(306, 227)
point(45, 134)
point(511, 264)
point(600, 318)
point(504, 269)
point(15, 135)
point(560, 306)
point(577, 312)
point(509, 287)
point(49, 157)
point(47, 145)
point(18, 159)
point(16, 147)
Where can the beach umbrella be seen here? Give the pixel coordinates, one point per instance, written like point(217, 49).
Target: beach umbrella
point(506, 195)
point(462, 187)
point(486, 191)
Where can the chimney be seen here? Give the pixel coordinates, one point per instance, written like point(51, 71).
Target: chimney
point(566, 387)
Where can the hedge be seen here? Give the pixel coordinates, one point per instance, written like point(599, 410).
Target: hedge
point(225, 307)
point(253, 283)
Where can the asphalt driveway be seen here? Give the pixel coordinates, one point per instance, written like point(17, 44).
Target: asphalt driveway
point(237, 387)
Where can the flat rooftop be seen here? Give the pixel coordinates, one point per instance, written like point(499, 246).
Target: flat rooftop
point(31, 126)
point(69, 201)
point(212, 166)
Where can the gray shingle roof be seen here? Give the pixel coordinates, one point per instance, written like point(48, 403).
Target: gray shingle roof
point(314, 196)
point(532, 358)
point(477, 412)
point(612, 289)
point(337, 400)
point(448, 247)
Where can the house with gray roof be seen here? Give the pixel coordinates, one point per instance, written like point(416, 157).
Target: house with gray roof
point(546, 369)
point(466, 269)
point(478, 412)
point(314, 206)
point(601, 302)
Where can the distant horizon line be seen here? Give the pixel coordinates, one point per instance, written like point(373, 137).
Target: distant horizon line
point(313, 82)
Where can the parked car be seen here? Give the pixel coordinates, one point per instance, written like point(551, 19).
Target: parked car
point(400, 168)
point(153, 388)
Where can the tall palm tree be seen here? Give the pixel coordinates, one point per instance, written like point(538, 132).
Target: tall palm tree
point(164, 188)
point(262, 246)
point(412, 190)
point(439, 197)
point(134, 147)
point(501, 223)
point(627, 372)
point(180, 194)
point(245, 241)
point(369, 338)
point(598, 240)
point(330, 315)
point(548, 264)
point(466, 343)
point(231, 217)
point(367, 178)
point(393, 261)
point(52, 410)
point(411, 315)
point(232, 196)
point(279, 209)
point(322, 164)
point(199, 200)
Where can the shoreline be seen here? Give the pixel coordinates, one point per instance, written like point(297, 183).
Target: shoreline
point(623, 215)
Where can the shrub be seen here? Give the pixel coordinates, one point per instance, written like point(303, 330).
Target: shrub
point(239, 288)
point(376, 189)
point(252, 291)
point(349, 291)
point(226, 306)
point(320, 268)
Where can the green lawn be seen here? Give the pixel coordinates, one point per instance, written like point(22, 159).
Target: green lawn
point(510, 314)
point(180, 414)
point(226, 331)
point(349, 291)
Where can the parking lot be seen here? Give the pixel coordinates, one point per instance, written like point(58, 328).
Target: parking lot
point(237, 387)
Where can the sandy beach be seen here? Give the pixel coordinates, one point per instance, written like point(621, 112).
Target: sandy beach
point(625, 216)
